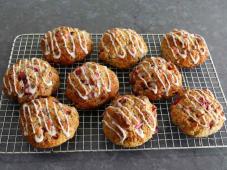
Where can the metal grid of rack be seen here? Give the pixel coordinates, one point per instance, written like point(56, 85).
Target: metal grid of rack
point(90, 136)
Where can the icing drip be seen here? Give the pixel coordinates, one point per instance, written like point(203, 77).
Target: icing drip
point(134, 45)
point(24, 79)
point(204, 109)
point(89, 79)
point(130, 117)
point(158, 70)
point(71, 53)
point(54, 44)
point(9, 89)
point(50, 37)
point(65, 130)
point(84, 47)
point(188, 43)
point(44, 119)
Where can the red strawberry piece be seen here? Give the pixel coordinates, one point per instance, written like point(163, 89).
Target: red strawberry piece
point(92, 95)
point(25, 81)
point(36, 68)
point(49, 123)
point(175, 50)
point(201, 100)
point(68, 112)
point(21, 76)
point(176, 101)
point(56, 136)
point(92, 82)
point(139, 125)
point(204, 103)
point(170, 67)
point(26, 91)
point(97, 75)
point(84, 81)
point(44, 129)
point(78, 71)
point(122, 100)
point(154, 108)
point(156, 129)
point(211, 124)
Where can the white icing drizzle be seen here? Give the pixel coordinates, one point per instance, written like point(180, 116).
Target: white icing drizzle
point(194, 101)
point(53, 43)
point(39, 137)
point(158, 69)
point(52, 130)
point(71, 41)
point(47, 47)
point(125, 113)
point(44, 119)
point(65, 131)
point(122, 130)
point(95, 76)
point(191, 40)
point(134, 41)
point(118, 134)
point(51, 35)
point(84, 47)
point(31, 88)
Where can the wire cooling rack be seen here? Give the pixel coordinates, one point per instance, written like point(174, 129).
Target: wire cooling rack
point(90, 136)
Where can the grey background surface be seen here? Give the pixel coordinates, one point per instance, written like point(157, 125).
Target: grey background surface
point(208, 18)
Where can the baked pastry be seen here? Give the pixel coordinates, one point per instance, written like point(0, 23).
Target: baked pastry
point(29, 79)
point(91, 85)
point(122, 48)
point(66, 45)
point(130, 121)
point(184, 49)
point(155, 78)
point(47, 123)
point(197, 113)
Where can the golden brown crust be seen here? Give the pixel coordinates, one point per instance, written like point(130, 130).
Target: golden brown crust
point(29, 79)
point(122, 48)
point(184, 49)
point(156, 78)
point(130, 121)
point(197, 113)
point(46, 123)
point(91, 85)
point(66, 45)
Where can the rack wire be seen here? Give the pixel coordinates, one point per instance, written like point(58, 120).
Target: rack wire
point(89, 135)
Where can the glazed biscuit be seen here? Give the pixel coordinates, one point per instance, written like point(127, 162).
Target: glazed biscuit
point(184, 49)
point(130, 121)
point(122, 48)
point(156, 78)
point(29, 79)
point(66, 45)
point(47, 123)
point(197, 113)
point(91, 85)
